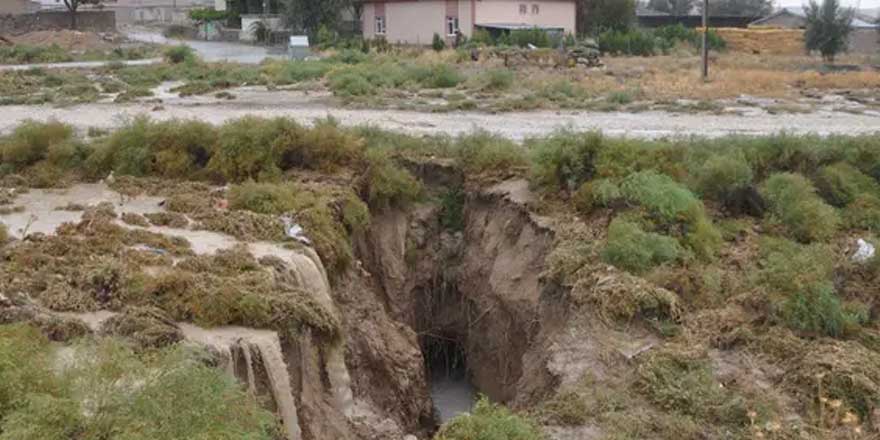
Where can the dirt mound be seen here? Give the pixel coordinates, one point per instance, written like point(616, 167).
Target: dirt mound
point(66, 39)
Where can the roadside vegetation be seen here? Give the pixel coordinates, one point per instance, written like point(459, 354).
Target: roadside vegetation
point(505, 78)
point(30, 54)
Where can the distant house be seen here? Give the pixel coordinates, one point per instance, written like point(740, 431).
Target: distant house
point(863, 38)
point(18, 6)
point(416, 21)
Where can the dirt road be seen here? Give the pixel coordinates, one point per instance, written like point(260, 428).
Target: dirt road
point(514, 125)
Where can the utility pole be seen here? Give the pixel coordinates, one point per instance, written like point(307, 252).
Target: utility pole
point(705, 40)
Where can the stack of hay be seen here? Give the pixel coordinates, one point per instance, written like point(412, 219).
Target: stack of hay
point(764, 40)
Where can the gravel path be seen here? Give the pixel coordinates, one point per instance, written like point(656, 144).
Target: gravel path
point(513, 125)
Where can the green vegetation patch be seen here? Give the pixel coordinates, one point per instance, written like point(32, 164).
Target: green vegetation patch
point(795, 205)
point(490, 421)
point(176, 394)
point(629, 247)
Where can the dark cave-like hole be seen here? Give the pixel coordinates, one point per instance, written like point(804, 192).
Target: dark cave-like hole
point(446, 367)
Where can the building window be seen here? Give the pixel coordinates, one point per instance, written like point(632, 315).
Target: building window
point(451, 26)
point(536, 9)
point(380, 25)
point(523, 9)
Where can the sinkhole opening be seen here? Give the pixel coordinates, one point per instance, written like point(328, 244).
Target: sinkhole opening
point(446, 368)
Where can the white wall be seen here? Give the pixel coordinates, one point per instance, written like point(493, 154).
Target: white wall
point(551, 13)
point(415, 22)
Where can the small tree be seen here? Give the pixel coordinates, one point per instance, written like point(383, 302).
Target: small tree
point(438, 43)
point(828, 28)
point(73, 6)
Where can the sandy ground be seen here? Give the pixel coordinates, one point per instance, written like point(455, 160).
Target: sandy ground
point(518, 125)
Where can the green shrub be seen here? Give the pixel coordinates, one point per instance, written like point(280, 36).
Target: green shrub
point(482, 37)
point(620, 97)
point(326, 37)
point(349, 56)
point(388, 185)
point(789, 267)
point(174, 148)
point(841, 183)
point(482, 151)
point(439, 76)
point(246, 148)
point(723, 175)
point(493, 80)
point(664, 198)
point(355, 213)
point(25, 366)
point(535, 36)
point(24, 54)
point(179, 54)
point(630, 42)
point(4, 234)
point(596, 193)
point(30, 142)
point(795, 205)
point(669, 36)
point(818, 310)
point(298, 71)
point(632, 249)
point(438, 43)
point(452, 209)
point(68, 155)
point(489, 421)
point(350, 84)
point(864, 212)
point(325, 146)
point(262, 198)
point(564, 160)
point(702, 236)
point(324, 226)
point(43, 417)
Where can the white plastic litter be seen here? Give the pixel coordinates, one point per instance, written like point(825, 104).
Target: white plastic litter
point(295, 231)
point(864, 253)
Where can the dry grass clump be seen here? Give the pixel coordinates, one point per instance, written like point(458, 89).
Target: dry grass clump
point(263, 198)
point(231, 287)
point(146, 327)
point(134, 219)
point(170, 219)
point(244, 225)
point(615, 295)
point(87, 266)
point(682, 381)
point(328, 215)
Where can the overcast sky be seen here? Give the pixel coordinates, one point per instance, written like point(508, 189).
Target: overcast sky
point(853, 3)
